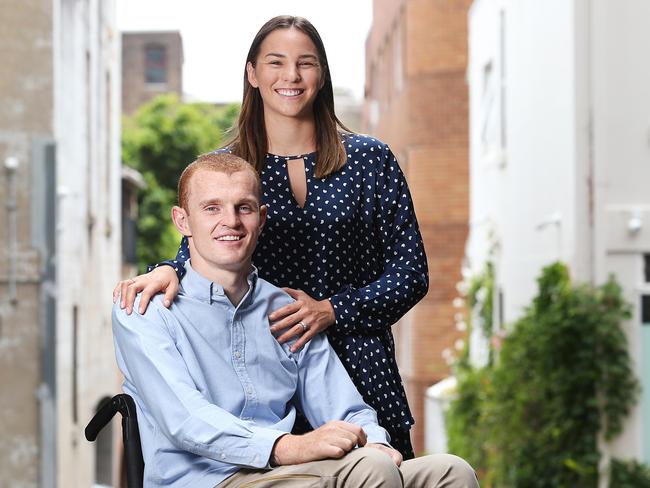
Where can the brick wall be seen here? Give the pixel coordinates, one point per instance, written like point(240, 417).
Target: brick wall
point(135, 89)
point(416, 101)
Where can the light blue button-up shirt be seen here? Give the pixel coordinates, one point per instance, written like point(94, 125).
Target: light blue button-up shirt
point(213, 387)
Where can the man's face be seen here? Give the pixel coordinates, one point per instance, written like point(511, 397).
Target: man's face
point(223, 220)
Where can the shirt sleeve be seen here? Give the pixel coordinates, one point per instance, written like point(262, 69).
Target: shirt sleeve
point(178, 263)
point(149, 359)
point(405, 277)
point(325, 391)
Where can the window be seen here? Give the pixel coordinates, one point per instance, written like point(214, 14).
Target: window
point(489, 136)
point(645, 310)
point(398, 68)
point(156, 64)
point(646, 268)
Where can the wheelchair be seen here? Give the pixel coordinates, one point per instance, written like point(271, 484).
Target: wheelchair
point(133, 461)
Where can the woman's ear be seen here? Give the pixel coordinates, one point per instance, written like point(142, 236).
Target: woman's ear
point(179, 217)
point(250, 73)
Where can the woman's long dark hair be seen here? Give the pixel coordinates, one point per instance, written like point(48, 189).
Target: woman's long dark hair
point(251, 141)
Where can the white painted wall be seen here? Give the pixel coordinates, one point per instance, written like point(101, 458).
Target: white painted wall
point(572, 166)
point(536, 155)
point(621, 148)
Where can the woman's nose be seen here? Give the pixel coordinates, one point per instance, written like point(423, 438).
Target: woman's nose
point(291, 72)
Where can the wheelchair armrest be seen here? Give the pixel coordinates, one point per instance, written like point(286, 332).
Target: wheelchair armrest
point(134, 464)
point(119, 403)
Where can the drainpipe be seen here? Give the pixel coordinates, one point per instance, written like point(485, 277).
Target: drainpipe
point(11, 166)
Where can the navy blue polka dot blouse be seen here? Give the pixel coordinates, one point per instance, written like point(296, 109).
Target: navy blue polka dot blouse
point(356, 241)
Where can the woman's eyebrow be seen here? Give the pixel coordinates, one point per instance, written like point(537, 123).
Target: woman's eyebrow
point(302, 56)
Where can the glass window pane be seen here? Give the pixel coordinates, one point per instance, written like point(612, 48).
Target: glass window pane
point(156, 64)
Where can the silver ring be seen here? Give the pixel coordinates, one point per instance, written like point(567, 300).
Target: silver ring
point(304, 326)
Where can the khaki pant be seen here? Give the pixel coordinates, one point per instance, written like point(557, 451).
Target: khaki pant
point(362, 468)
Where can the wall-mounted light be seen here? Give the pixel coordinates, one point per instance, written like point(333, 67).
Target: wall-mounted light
point(11, 164)
point(553, 219)
point(635, 222)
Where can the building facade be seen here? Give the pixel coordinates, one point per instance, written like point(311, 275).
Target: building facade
point(416, 101)
point(60, 244)
point(560, 158)
point(152, 64)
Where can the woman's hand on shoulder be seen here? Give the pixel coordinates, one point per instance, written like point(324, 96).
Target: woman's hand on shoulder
point(305, 317)
point(161, 279)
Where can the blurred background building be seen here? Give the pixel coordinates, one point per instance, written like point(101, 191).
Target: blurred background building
point(559, 147)
point(152, 64)
point(521, 126)
point(416, 101)
point(60, 244)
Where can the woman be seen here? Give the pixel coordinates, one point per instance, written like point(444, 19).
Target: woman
point(341, 235)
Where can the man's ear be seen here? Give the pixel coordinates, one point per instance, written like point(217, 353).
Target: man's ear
point(263, 212)
point(250, 73)
point(179, 217)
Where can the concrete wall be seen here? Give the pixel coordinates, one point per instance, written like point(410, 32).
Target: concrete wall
point(26, 88)
point(59, 119)
point(87, 70)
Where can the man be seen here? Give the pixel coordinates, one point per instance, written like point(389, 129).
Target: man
point(217, 394)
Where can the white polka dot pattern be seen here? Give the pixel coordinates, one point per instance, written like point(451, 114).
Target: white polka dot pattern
point(356, 241)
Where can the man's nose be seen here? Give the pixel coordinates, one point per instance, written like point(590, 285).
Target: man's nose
point(231, 217)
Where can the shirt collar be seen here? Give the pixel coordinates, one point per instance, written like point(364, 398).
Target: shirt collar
point(197, 286)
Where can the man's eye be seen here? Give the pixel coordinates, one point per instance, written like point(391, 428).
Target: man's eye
point(275, 63)
point(245, 208)
point(211, 208)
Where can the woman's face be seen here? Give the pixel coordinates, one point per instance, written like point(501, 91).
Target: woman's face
point(287, 73)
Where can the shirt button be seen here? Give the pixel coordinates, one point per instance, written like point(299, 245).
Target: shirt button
point(223, 455)
point(237, 354)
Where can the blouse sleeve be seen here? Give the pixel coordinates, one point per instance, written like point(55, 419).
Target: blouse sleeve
point(405, 278)
point(179, 262)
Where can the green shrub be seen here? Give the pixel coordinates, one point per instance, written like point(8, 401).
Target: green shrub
point(532, 416)
point(629, 474)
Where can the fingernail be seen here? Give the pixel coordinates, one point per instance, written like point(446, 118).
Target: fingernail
point(128, 310)
point(122, 304)
point(167, 303)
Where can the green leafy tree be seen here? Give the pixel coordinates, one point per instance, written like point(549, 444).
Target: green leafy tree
point(159, 140)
